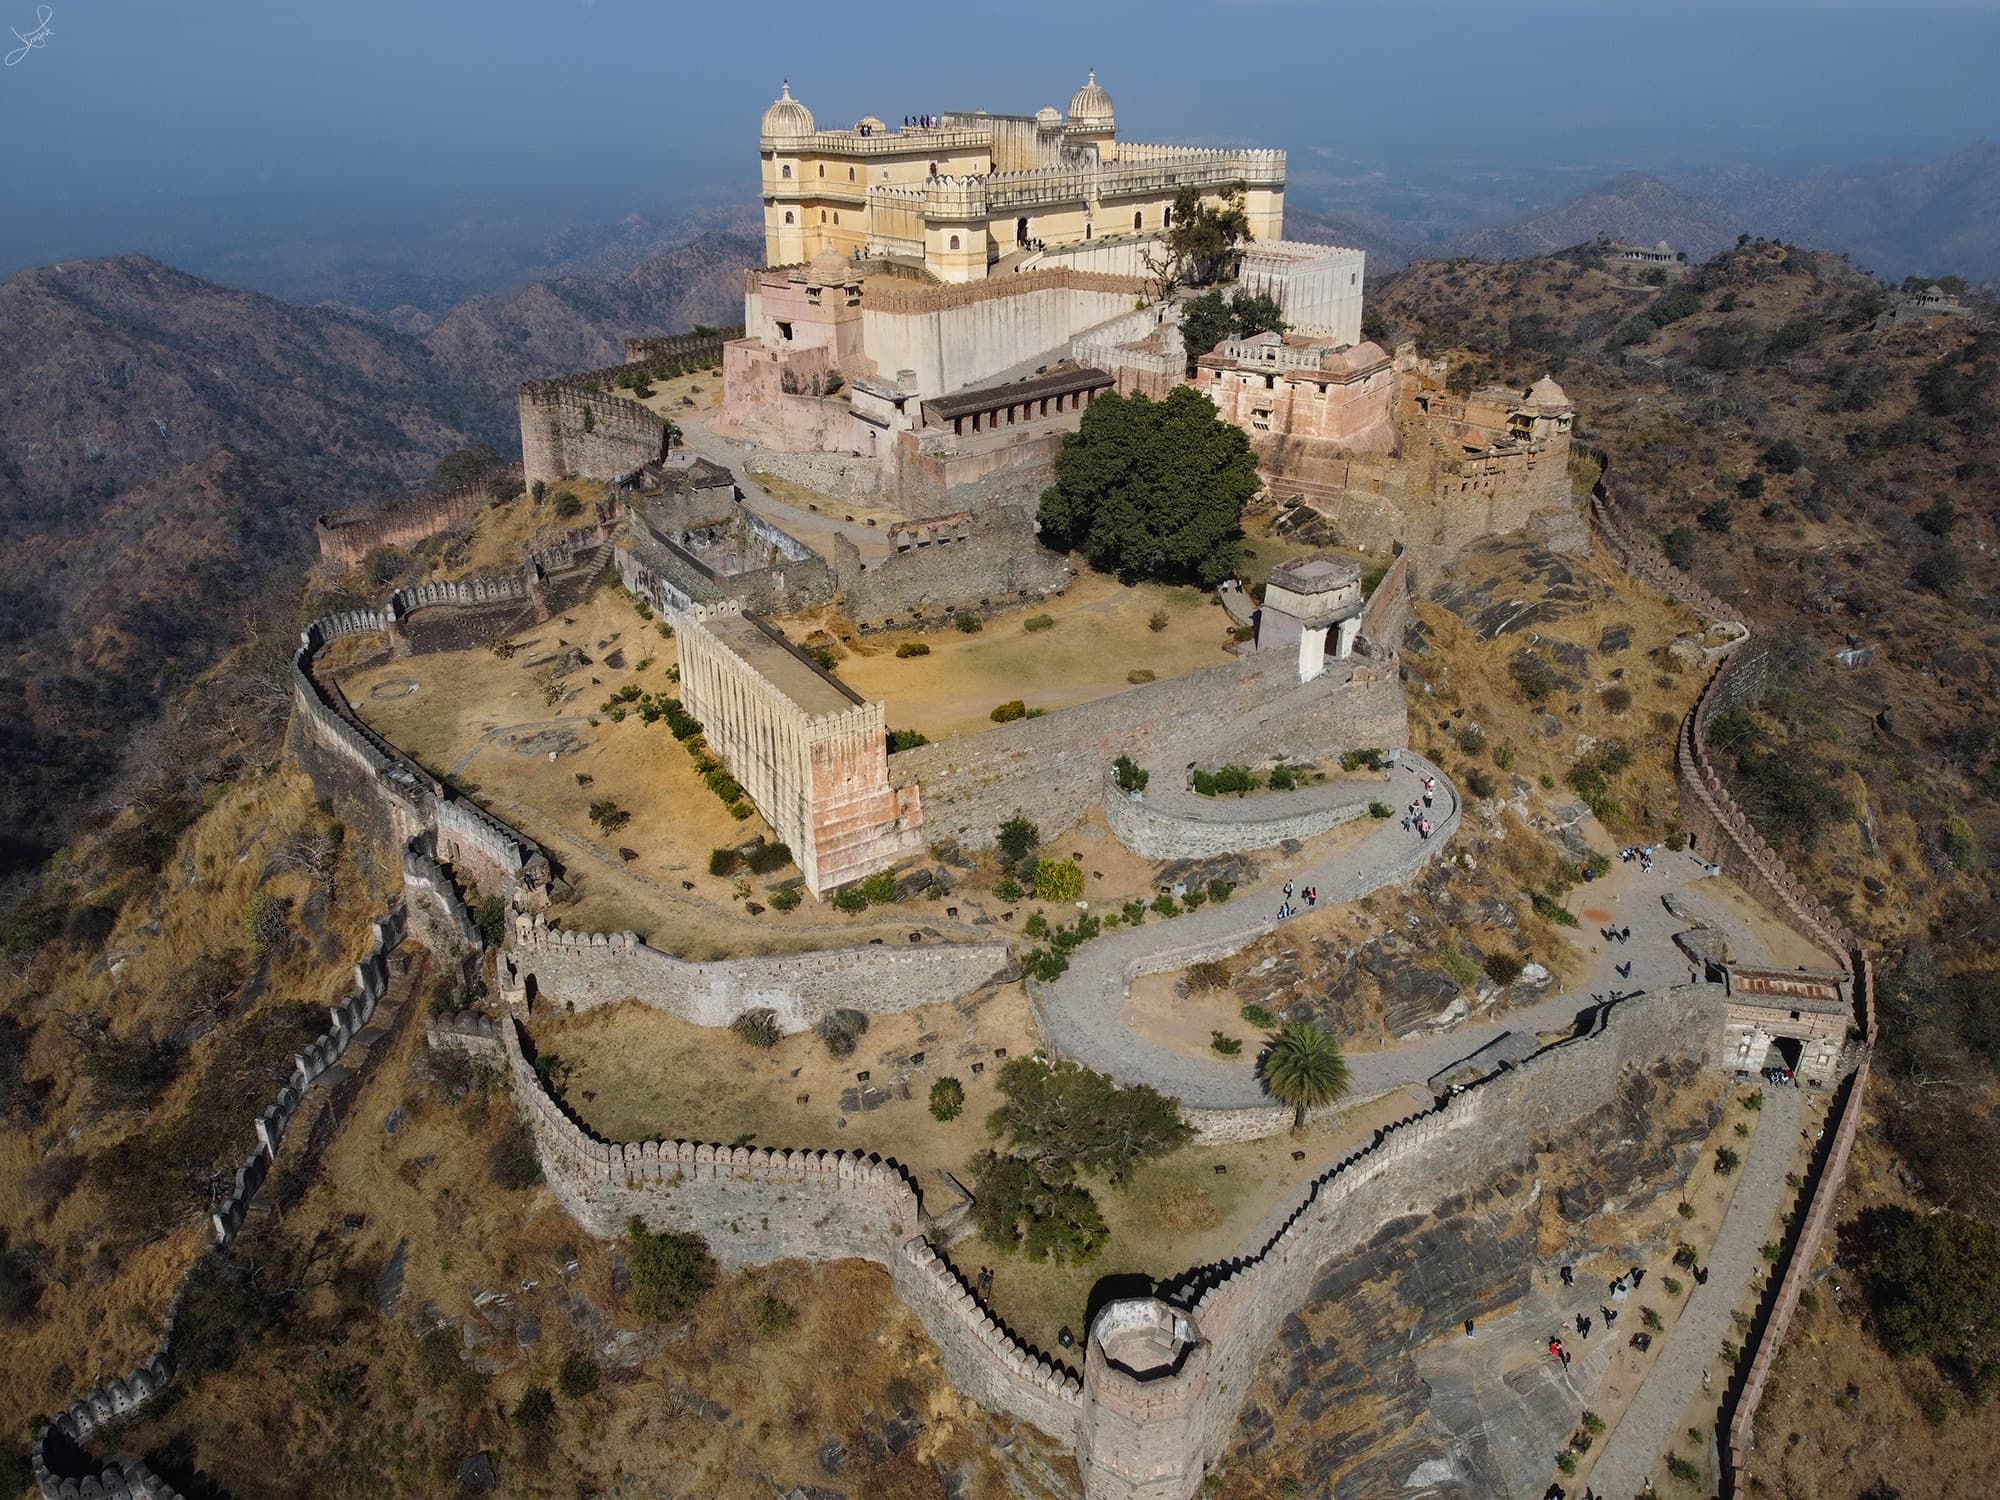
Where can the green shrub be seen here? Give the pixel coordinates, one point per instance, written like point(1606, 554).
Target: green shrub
point(1135, 912)
point(741, 810)
point(1261, 1017)
point(567, 504)
point(723, 862)
point(764, 858)
point(1229, 781)
point(1037, 925)
point(967, 621)
point(1533, 676)
point(1593, 1424)
point(1566, 1461)
point(879, 889)
point(1551, 910)
point(1471, 739)
point(841, 1031)
point(1166, 906)
point(1283, 778)
point(1007, 712)
point(1381, 810)
point(513, 1161)
point(535, 1414)
point(1131, 776)
point(1038, 622)
point(1726, 1161)
point(1503, 968)
point(1220, 890)
point(1682, 1470)
point(1141, 674)
point(1008, 890)
point(771, 1314)
point(1617, 698)
point(670, 1271)
point(1479, 782)
point(1503, 757)
point(490, 917)
point(1225, 1046)
point(756, 1028)
point(785, 899)
point(947, 1099)
point(1058, 880)
point(1356, 760)
point(849, 899)
point(1673, 1284)
point(1017, 839)
point(579, 1375)
point(912, 648)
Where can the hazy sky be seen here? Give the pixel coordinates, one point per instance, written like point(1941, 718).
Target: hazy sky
point(361, 108)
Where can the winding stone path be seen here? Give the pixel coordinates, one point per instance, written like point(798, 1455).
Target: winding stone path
point(1651, 1425)
point(1080, 1012)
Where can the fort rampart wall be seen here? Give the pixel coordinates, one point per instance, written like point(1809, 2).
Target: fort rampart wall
point(1047, 769)
point(584, 970)
point(63, 1470)
point(1718, 828)
point(347, 538)
point(984, 563)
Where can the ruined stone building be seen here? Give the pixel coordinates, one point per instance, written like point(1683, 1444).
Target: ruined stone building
point(966, 194)
point(807, 750)
point(1309, 390)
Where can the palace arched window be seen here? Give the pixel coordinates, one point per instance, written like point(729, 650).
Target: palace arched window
point(822, 216)
point(788, 216)
point(786, 171)
point(850, 174)
point(954, 242)
point(1138, 218)
point(1167, 219)
point(822, 169)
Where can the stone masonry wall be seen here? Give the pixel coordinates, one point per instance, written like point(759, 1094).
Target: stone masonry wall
point(347, 539)
point(589, 969)
point(992, 561)
point(1049, 769)
point(63, 1471)
point(1145, 829)
point(958, 336)
point(757, 1206)
point(568, 430)
point(1409, 1168)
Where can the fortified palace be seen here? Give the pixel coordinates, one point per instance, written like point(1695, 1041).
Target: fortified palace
point(945, 301)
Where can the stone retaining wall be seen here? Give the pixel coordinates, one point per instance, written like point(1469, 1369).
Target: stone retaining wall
point(584, 970)
point(1147, 828)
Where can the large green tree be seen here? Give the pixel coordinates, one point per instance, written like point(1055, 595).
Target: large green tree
point(1153, 489)
point(1068, 1118)
point(1304, 1067)
point(1210, 318)
point(1206, 240)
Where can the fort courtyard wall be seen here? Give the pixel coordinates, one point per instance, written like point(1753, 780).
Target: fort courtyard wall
point(947, 564)
point(345, 539)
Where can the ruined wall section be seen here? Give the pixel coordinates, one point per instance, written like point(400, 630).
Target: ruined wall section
point(585, 970)
point(347, 538)
point(570, 430)
point(979, 562)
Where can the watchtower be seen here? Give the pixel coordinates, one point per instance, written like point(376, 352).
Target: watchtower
point(1302, 602)
point(1145, 1382)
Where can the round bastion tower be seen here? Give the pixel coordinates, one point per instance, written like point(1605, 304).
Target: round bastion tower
point(1145, 1388)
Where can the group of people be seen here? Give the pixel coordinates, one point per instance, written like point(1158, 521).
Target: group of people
point(1643, 855)
point(1285, 908)
point(922, 122)
point(1419, 820)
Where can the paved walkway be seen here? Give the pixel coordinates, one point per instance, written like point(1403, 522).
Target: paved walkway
point(1081, 1012)
point(1652, 1424)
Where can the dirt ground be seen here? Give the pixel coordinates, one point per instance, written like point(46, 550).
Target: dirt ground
point(1102, 633)
point(482, 719)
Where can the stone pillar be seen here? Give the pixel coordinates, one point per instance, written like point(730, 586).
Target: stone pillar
point(1349, 629)
point(1312, 651)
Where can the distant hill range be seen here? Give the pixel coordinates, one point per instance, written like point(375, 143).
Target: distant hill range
point(168, 441)
point(1895, 219)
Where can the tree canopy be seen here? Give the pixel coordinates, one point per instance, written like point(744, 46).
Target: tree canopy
point(1304, 1067)
point(1072, 1118)
point(1153, 489)
point(1210, 318)
point(1204, 243)
point(1933, 1288)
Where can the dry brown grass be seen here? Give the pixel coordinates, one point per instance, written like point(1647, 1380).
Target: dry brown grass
point(1102, 633)
point(1184, 1209)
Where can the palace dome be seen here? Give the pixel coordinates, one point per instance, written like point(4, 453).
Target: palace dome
point(1048, 114)
point(828, 268)
point(787, 118)
point(1090, 105)
point(1545, 392)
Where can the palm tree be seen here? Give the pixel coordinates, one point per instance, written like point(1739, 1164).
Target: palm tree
point(1303, 1067)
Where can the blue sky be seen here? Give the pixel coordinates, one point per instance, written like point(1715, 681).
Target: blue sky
point(571, 107)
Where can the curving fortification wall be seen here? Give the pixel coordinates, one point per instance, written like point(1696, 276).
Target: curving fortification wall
point(570, 429)
point(1719, 829)
point(756, 1206)
point(63, 1470)
point(1147, 828)
point(588, 969)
